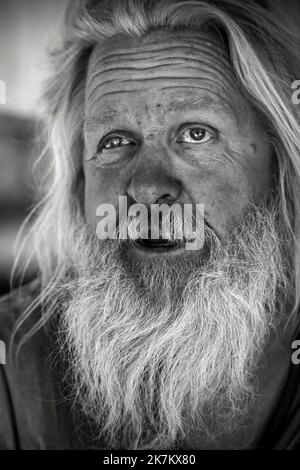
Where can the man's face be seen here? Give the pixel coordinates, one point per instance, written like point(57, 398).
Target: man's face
point(166, 121)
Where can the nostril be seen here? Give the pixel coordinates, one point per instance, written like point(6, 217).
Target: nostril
point(165, 198)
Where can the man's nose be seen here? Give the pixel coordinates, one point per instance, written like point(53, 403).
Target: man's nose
point(154, 185)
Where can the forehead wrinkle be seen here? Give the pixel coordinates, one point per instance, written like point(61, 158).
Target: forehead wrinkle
point(156, 38)
point(173, 83)
point(116, 74)
point(109, 54)
point(185, 53)
point(213, 71)
point(110, 68)
point(210, 76)
point(101, 60)
point(192, 64)
point(167, 42)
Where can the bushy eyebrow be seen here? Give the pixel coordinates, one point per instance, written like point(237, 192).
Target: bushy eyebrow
point(207, 101)
point(102, 118)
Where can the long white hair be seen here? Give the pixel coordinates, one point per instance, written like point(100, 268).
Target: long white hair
point(263, 59)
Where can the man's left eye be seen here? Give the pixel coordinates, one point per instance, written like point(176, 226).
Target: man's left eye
point(195, 135)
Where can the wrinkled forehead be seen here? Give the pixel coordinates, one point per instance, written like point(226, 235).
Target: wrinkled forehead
point(161, 62)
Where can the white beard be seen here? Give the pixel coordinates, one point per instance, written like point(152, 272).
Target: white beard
point(157, 349)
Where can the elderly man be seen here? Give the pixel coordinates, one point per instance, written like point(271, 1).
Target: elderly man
point(141, 343)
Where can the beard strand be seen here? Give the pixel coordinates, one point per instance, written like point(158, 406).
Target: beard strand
point(158, 349)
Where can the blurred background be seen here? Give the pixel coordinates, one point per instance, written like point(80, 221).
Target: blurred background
point(27, 29)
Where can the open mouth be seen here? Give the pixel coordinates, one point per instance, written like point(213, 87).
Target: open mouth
point(158, 245)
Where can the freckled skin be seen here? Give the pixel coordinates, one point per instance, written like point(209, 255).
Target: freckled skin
point(150, 91)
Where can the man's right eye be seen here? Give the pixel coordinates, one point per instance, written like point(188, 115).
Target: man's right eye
point(113, 141)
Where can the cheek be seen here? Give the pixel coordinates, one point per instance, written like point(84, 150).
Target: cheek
point(225, 190)
point(91, 202)
point(261, 175)
point(254, 160)
point(100, 188)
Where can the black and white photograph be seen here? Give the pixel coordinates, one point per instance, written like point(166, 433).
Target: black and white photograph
point(149, 228)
